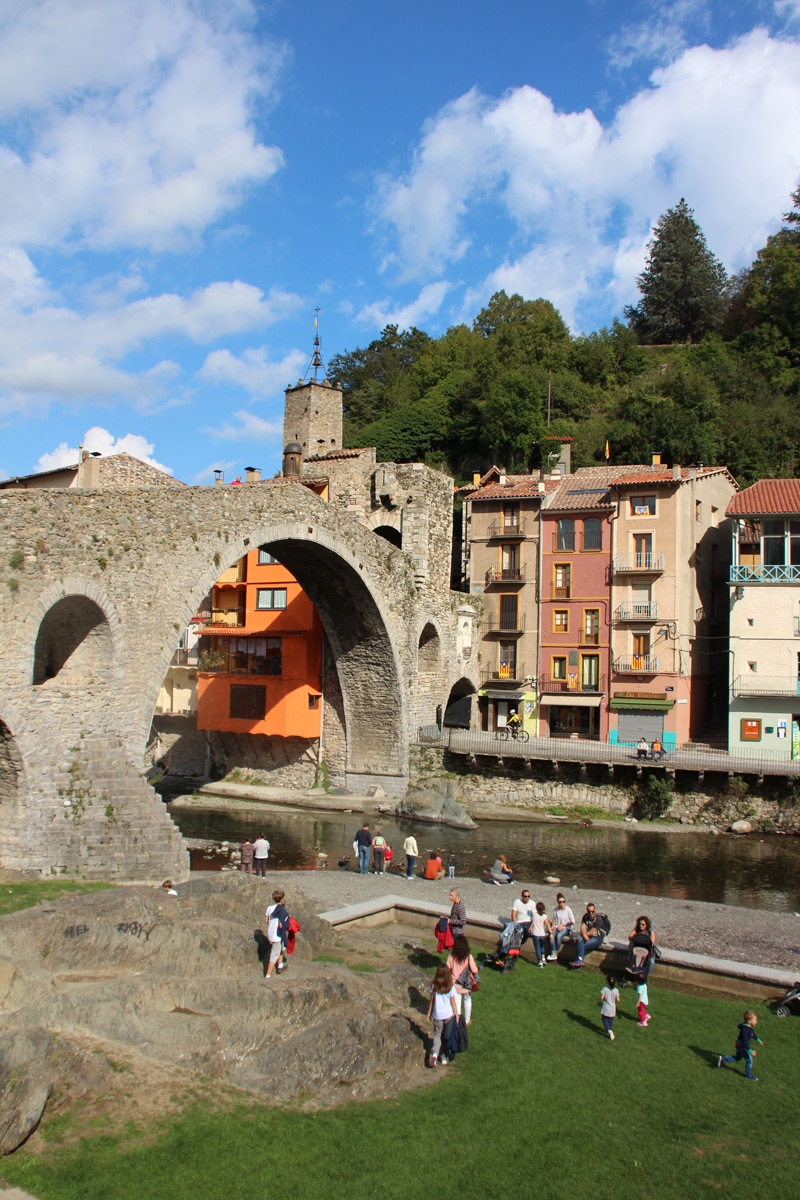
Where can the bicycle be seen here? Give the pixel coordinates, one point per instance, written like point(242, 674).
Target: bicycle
point(509, 732)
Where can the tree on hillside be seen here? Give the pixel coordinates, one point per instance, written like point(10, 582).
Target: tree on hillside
point(379, 379)
point(682, 285)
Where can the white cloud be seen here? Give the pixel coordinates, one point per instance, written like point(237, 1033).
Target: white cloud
point(788, 11)
point(720, 127)
point(663, 36)
point(249, 428)
point(99, 440)
point(207, 473)
point(427, 304)
point(128, 124)
point(253, 371)
point(48, 350)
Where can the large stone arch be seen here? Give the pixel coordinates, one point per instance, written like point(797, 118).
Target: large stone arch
point(352, 612)
point(458, 712)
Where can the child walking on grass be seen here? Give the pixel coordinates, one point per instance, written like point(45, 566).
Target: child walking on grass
point(610, 998)
point(744, 1046)
point(442, 1008)
point(642, 1001)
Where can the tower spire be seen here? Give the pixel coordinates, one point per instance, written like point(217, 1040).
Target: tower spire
point(316, 364)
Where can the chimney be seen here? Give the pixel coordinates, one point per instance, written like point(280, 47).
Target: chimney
point(252, 474)
point(656, 460)
point(676, 472)
point(219, 479)
point(292, 460)
point(502, 480)
point(476, 479)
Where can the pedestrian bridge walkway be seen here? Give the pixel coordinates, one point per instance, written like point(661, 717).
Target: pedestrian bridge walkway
point(475, 742)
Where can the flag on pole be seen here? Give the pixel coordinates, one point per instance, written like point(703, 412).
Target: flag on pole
point(607, 450)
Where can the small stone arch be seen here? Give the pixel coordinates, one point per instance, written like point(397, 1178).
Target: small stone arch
point(458, 713)
point(11, 768)
point(74, 642)
point(391, 533)
point(429, 652)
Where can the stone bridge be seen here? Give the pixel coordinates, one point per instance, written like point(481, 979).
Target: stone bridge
point(98, 586)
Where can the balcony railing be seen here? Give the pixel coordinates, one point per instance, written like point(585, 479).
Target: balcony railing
point(760, 574)
point(511, 530)
point(505, 575)
point(548, 686)
point(502, 624)
point(185, 658)
point(766, 685)
point(590, 637)
point(653, 563)
point(563, 542)
point(636, 664)
point(231, 617)
point(504, 673)
point(631, 611)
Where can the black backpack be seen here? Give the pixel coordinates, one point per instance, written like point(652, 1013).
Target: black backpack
point(602, 923)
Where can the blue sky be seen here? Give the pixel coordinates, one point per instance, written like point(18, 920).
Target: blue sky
point(182, 182)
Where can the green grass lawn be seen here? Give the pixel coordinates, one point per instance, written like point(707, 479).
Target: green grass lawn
point(14, 896)
point(542, 1106)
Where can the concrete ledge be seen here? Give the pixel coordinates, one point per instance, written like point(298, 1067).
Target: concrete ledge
point(681, 966)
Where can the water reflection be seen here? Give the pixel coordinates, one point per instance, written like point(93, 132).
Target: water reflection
point(749, 871)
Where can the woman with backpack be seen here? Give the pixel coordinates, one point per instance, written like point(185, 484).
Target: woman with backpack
point(464, 969)
point(277, 932)
point(643, 937)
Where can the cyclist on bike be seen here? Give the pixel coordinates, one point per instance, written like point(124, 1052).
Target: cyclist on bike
point(514, 722)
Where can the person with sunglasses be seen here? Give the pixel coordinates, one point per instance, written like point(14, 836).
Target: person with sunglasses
point(562, 921)
point(522, 911)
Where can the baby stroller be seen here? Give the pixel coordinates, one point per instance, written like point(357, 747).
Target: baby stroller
point(504, 958)
point(791, 998)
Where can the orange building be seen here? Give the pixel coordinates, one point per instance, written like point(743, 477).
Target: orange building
point(260, 662)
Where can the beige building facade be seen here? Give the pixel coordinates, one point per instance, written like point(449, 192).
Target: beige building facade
point(669, 565)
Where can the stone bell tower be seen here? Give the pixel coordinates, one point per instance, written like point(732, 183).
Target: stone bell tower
point(312, 414)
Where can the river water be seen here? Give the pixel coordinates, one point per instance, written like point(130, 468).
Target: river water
point(757, 871)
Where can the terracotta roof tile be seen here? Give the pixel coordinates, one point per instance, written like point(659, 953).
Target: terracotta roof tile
point(516, 487)
point(331, 454)
point(586, 488)
point(663, 475)
point(767, 496)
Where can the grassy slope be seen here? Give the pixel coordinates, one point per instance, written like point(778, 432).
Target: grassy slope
point(649, 1115)
point(14, 896)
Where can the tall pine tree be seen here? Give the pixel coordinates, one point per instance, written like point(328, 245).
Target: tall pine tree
point(682, 285)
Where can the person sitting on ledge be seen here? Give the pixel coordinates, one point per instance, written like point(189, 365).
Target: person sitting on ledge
point(501, 872)
point(433, 867)
point(591, 935)
point(656, 750)
point(641, 747)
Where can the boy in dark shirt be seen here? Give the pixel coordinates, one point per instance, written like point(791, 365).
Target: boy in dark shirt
point(744, 1046)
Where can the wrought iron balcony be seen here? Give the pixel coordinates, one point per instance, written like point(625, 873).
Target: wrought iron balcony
point(502, 624)
point(636, 664)
point(505, 575)
point(756, 573)
point(502, 672)
point(511, 530)
point(653, 564)
point(563, 543)
point(631, 611)
point(230, 617)
point(548, 686)
point(766, 685)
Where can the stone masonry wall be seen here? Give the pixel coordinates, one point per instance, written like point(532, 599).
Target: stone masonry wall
point(146, 557)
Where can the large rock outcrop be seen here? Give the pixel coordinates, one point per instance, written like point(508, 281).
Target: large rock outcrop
point(435, 801)
point(179, 981)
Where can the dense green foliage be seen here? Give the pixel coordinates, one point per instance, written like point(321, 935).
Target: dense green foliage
point(682, 285)
point(542, 1105)
point(727, 390)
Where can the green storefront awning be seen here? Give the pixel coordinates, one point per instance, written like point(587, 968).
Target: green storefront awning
point(644, 703)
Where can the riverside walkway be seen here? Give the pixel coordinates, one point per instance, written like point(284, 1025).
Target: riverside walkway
point(496, 745)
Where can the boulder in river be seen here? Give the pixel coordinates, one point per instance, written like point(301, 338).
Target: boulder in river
point(435, 801)
point(741, 827)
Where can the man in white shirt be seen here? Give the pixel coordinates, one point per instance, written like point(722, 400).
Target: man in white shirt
point(522, 911)
point(260, 855)
point(562, 920)
point(411, 852)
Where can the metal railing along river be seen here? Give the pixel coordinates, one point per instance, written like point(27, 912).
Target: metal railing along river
point(473, 741)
